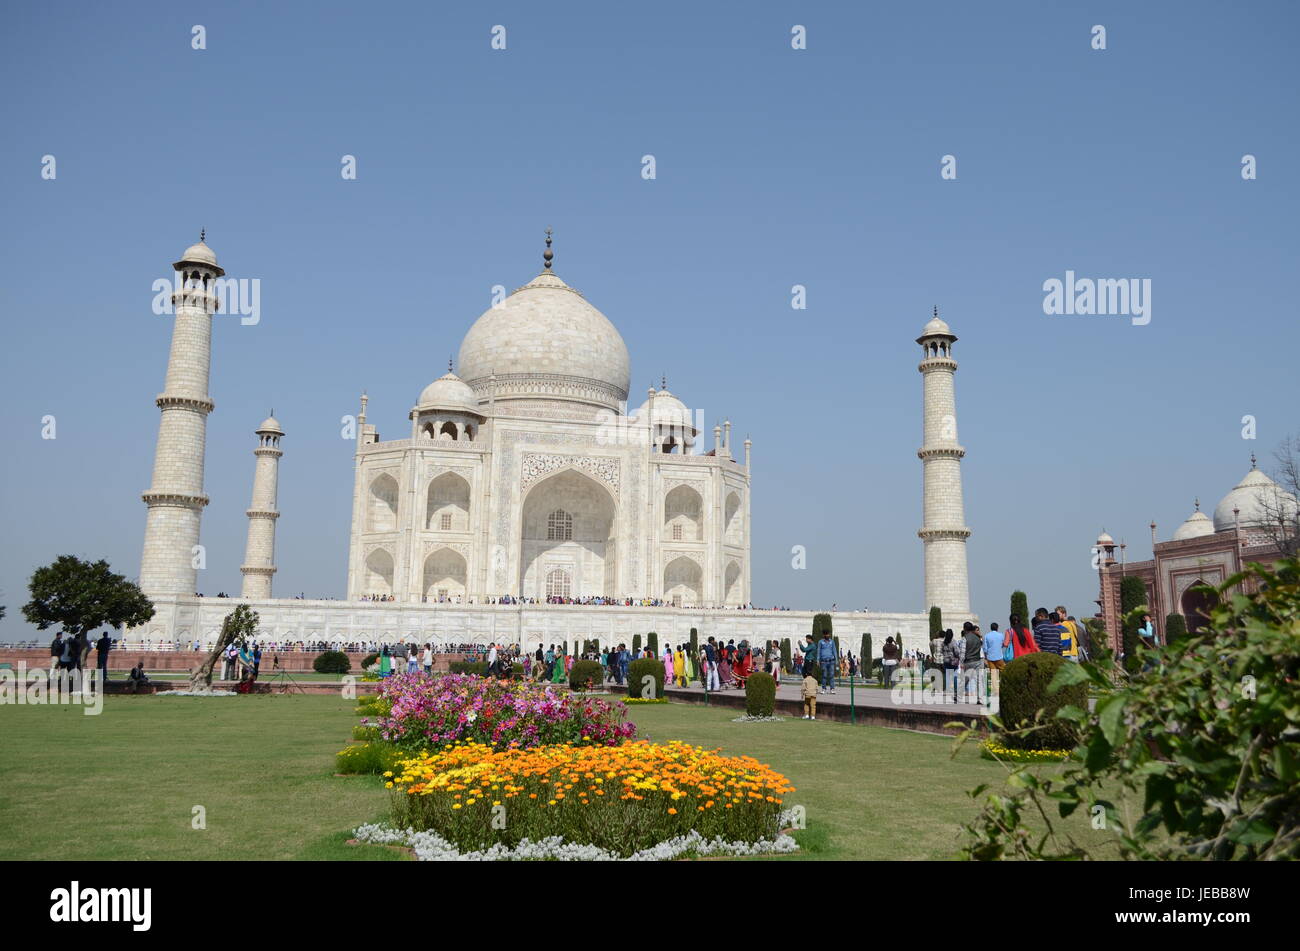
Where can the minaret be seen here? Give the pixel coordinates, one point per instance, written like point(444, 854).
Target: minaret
point(175, 498)
point(259, 555)
point(944, 530)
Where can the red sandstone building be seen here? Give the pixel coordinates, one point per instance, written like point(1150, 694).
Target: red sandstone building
point(1202, 551)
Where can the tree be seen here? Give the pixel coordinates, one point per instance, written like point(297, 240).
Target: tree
point(652, 642)
point(1175, 628)
point(787, 656)
point(1198, 763)
point(866, 656)
point(636, 646)
point(1020, 606)
point(1098, 640)
point(238, 627)
point(1132, 598)
point(936, 622)
point(80, 596)
point(1279, 511)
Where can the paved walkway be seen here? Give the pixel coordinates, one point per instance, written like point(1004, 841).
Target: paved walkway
point(861, 696)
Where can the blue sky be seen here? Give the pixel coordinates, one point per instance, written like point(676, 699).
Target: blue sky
point(774, 167)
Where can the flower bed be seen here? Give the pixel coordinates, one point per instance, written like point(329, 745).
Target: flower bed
point(995, 751)
point(624, 800)
point(433, 712)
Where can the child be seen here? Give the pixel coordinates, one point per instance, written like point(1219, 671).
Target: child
point(810, 686)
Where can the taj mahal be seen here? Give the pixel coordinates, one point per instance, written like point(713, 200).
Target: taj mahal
point(523, 501)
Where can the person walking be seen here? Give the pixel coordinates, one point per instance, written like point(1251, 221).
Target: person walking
point(56, 653)
point(972, 662)
point(1048, 631)
point(950, 653)
point(103, 646)
point(993, 651)
point(888, 662)
point(1022, 638)
point(426, 660)
point(809, 690)
point(711, 665)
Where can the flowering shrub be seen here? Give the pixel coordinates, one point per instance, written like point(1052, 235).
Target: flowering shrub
point(622, 799)
point(991, 749)
point(431, 712)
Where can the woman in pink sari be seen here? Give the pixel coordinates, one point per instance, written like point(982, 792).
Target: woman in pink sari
point(667, 659)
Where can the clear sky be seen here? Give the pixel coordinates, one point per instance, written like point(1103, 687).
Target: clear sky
point(775, 167)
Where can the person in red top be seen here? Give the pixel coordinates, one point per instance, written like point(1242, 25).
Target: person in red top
point(1022, 638)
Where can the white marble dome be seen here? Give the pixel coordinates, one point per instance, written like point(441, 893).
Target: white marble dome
point(200, 253)
point(545, 341)
point(669, 411)
point(1248, 497)
point(449, 392)
point(270, 425)
point(935, 326)
point(1197, 524)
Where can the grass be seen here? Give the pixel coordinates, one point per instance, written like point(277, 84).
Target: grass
point(263, 768)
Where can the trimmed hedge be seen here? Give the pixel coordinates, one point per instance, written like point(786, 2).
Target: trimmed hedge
point(865, 660)
point(586, 674)
point(1024, 692)
point(477, 668)
point(636, 646)
point(652, 642)
point(787, 656)
point(638, 671)
point(331, 662)
point(1175, 628)
point(821, 623)
point(1020, 606)
point(936, 623)
point(1132, 595)
point(760, 694)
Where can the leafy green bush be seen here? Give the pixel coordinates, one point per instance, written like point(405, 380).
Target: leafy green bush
point(1020, 607)
point(636, 646)
point(365, 733)
point(637, 673)
point(331, 662)
point(936, 623)
point(586, 675)
point(1025, 684)
point(477, 668)
point(1175, 628)
point(374, 757)
point(652, 642)
point(374, 707)
point(760, 694)
point(787, 656)
point(1197, 763)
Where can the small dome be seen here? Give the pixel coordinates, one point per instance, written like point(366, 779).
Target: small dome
point(200, 254)
point(1197, 524)
point(1257, 499)
point(270, 425)
point(449, 392)
point(669, 411)
point(935, 326)
point(1104, 539)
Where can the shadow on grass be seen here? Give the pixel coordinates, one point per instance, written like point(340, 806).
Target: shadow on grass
point(335, 848)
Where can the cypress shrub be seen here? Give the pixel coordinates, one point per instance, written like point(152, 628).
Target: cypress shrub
point(866, 660)
point(760, 694)
point(1024, 692)
point(331, 662)
point(652, 642)
point(1132, 596)
point(1175, 628)
point(936, 623)
point(638, 671)
point(821, 623)
point(787, 656)
point(695, 642)
point(369, 661)
point(1020, 606)
point(586, 675)
point(636, 646)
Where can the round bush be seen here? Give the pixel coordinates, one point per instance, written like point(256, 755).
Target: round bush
point(1024, 693)
point(586, 675)
point(331, 662)
point(638, 673)
point(760, 694)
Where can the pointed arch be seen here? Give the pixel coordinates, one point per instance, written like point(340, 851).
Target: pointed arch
point(568, 520)
point(684, 515)
point(683, 582)
point(447, 504)
point(379, 572)
point(731, 584)
point(381, 507)
point(445, 574)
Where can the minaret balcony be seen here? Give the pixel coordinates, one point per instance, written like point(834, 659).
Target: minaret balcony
point(941, 452)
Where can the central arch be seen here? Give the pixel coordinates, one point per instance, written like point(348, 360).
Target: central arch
point(567, 523)
point(1196, 604)
point(447, 504)
point(444, 575)
point(684, 515)
point(683, 581)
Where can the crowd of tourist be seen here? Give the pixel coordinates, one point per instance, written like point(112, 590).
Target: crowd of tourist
point(586, 601)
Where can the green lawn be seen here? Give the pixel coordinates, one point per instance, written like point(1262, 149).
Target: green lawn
point(263, 768)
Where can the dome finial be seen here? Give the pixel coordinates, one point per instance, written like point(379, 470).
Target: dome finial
point(449, 369)
point(936, 310)
point(1252, 460)
point(1198, 503)
point(203, 233)
point(663, 382)
point(548, 254)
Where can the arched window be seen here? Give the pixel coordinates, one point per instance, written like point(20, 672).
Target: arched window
point(448, 430)
point(558, 583)
point(559, 526)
